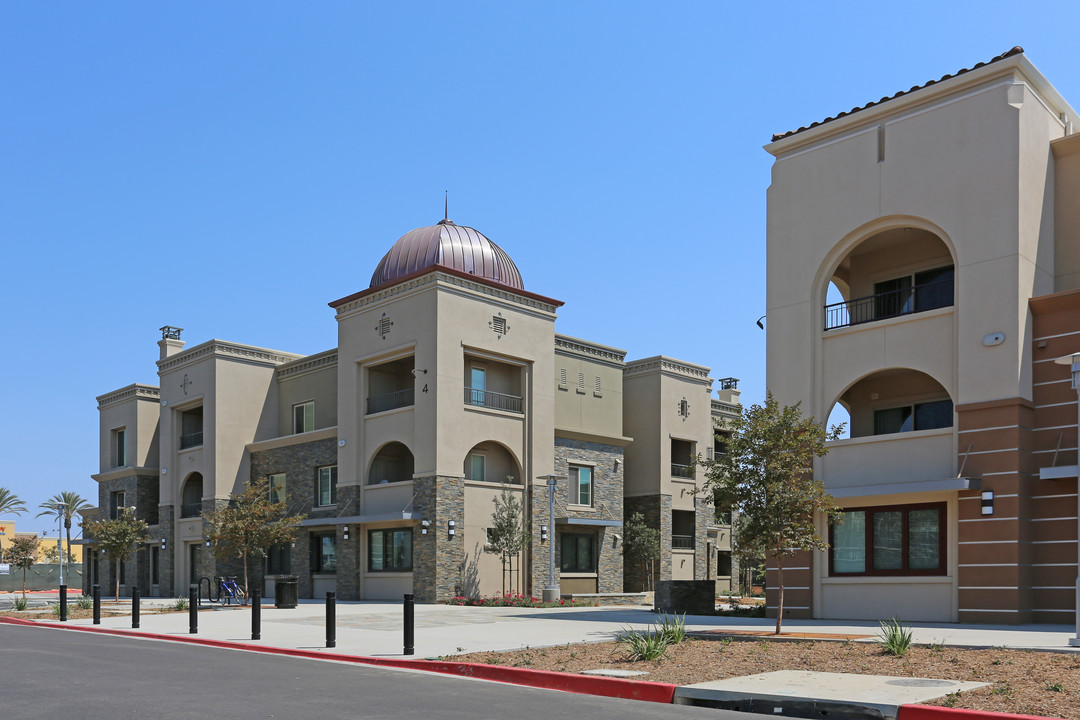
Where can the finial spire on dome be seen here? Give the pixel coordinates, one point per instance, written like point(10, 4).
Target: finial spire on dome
point(446, 209)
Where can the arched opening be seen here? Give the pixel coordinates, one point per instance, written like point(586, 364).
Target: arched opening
point(895, 400)
point(894, 272)
point(393, 463)
point(191, 496)
point(491, 462)
point(840, 415)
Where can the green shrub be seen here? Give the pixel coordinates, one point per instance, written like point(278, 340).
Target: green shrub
point(894, 637)
point(180, 604)
point(85, 602)
point(644, 645)
point(21, 603)
point(673, 628)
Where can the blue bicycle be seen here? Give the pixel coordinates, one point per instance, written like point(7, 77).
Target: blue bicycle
point(228, 591)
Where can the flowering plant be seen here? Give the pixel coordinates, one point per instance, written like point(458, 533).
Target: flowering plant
point(513, 600)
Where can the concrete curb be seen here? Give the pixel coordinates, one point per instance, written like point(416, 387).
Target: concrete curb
point(932, 712)
point(545, 679)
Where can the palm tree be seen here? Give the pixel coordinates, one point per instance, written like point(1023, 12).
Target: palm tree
point(10, 504)
point(64, 505)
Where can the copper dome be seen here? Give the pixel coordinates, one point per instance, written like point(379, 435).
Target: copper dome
point(447, 245)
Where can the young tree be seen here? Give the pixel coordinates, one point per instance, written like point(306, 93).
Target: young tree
point(641, 544)
point(507, 537)
point(767, 477)
point(23, 553)
point(249, 525)
point(10, 504)
point(64, 506)
point(117, 538)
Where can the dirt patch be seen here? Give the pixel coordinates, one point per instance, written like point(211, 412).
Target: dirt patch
point(1020, 681)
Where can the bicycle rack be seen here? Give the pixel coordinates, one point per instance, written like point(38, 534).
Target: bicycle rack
point(209, 589)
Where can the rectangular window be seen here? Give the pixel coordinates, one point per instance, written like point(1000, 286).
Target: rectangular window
point(893, 540)
point(324, 554)
point(578, 553)
point(581, 485)
point(918, 292)
point(279, 559)
point(326, 485)
point(723, 563)
point(276, 488)
point(390, 550)
point(476, 467)
point(920, 416)
point(191, 428)
point(303, 417)
point(116, 503)
point(119, 447)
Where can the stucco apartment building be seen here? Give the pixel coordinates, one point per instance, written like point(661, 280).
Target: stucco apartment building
point(924, 276)
point(448, 381)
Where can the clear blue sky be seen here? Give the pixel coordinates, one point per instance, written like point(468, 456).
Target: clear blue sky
point(231, 167)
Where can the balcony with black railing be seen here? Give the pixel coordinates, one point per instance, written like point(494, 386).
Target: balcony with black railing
point(682, 542)
point(492, 400)
point(890, 304)
point(682, 471)
point(191, 440)
point(391, 400)
point(191, 510)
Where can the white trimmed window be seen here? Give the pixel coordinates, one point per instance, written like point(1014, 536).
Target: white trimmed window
point(581, 485)
point(304, 417)
point(476, 466)
point(326, 485)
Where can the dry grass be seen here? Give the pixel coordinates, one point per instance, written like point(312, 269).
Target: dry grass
point(1028, 682)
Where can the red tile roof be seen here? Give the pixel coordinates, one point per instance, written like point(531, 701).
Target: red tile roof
point(1015, 51)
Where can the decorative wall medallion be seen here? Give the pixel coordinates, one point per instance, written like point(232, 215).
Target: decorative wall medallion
point(383, 328)
point(186, 384)
point(684, 409)
point(498, 325)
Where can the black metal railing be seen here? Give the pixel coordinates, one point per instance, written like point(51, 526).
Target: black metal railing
point(493, 400)
point(391, 401)
point(683, 471)
point(190, 510)
point(191, 440)
point(682, 542)
point(918, 298)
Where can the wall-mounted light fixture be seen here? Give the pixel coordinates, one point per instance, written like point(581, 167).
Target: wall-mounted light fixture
point(207, 542)
point(417, 371)
point(451, 528)
point(345, 532)
point(988, 502)
point(758, 321)
point(424, 524)
point(162, 543)
point(543, 533)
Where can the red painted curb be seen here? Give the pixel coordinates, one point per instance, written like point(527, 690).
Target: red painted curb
point(932, 712)
point(580, 684)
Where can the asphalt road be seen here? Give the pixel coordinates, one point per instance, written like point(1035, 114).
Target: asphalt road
point(57, 673)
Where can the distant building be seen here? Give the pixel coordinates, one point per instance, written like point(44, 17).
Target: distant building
point(448, 381)
point(924, 275)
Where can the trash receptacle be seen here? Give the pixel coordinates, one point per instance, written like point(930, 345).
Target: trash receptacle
point(285, 591)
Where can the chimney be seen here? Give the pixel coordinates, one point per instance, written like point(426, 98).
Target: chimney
point(170, 342)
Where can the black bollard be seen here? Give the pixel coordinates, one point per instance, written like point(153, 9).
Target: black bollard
point(63, 603)
point(97, 604)
point(256, 614)
point(331, 619)
point(409, 643)
point(193, 610)
point(135, 607)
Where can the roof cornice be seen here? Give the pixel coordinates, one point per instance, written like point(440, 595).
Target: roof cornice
point(226, 351)
point(437, 274)
point(566, 345)
point(661, 364)
point(906, 101)
point(135, 391)
point(308, 364)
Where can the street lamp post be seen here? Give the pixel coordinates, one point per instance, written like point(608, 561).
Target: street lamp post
point(551, 590)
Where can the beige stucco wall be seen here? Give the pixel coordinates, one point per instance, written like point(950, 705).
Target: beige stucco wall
point(1066, 213)
point(136, 412)
point(483, 571)
point(580, 407)
point(318, 386)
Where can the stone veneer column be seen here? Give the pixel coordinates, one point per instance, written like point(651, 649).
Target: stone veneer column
point(166, 571)
point(703, 518)
point(438, 559)
point(348, 551)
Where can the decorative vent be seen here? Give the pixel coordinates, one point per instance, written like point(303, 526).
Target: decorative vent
point(684, 409)
point(562, 376)
point(581, 382)
point(597, 388)
point(383, 328)
point(498, 325)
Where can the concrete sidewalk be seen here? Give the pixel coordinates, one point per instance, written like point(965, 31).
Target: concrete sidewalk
point(376, 629)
